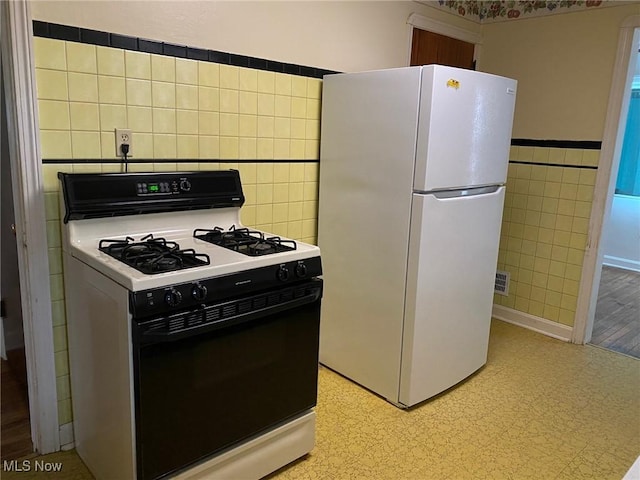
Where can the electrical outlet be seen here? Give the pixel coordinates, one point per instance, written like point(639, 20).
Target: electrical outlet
point(123, 136)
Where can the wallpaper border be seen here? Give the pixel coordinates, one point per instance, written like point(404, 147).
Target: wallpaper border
point(106, 39)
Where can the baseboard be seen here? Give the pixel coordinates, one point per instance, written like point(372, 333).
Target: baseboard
point(531, 322)
point(623, 263)
point(66, 436)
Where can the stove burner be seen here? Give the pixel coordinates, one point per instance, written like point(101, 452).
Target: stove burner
point(167, 263)
point(259, 248)
point(243, 240)
point(152, 255)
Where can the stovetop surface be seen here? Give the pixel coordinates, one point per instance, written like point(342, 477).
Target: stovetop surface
point(246, 241)
point(152, 255)
point(82, 240)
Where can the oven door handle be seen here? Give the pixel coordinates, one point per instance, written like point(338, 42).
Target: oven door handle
point(216, 317)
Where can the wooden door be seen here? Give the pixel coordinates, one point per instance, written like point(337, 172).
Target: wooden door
point(429, 47)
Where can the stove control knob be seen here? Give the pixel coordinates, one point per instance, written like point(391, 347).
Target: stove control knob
point(199, 292)
point(185, 185)
point(300, 270)
point(173, 297)
point(283, 273)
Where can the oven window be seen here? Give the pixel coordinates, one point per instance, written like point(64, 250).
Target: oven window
point(205, 393)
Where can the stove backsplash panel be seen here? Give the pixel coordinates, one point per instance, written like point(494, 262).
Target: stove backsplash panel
point(185, 114)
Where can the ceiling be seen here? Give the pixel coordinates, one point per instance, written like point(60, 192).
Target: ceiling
point(497, 11)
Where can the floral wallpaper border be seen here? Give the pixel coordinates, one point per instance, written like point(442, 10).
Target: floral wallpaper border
point(493, 10)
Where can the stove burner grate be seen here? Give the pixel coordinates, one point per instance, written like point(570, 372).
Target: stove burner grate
point(152, 255)
point(249, 242)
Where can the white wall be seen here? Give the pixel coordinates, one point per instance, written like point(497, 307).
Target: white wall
point(622, 234)
point(335, 35)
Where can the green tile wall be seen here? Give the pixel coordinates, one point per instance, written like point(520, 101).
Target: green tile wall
point(208, 113)
point(544, 229)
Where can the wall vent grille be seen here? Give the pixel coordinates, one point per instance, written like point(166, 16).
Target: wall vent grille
point(502, 283)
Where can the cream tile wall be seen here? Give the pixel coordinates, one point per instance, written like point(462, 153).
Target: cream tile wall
point(210, 116)
point(544, 229)
point(202, 115)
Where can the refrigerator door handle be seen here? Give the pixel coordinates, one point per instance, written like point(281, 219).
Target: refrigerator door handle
point(463, 192)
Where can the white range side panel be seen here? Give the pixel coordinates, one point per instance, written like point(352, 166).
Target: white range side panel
point(452, 265)
point(101, 371)
point(366, 175)
point(464, 131)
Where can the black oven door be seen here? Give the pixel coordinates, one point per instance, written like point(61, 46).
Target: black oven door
point(227, 373)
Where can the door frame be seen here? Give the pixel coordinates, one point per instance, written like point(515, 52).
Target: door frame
point(615, 120)
point(424, 23)
point(16, 30)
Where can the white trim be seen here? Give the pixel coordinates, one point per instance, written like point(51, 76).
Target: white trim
point(531, 322)
point(66, 436)
point(441, 28)
point(623, 263)
point(24, 147)
point(605, 178)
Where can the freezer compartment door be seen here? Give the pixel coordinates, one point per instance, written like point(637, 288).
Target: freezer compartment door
point(464, 128)
point(453, 254)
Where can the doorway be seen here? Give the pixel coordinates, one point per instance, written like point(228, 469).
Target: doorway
point(432, 48)
point(616, 326)
point(25, 165)
point(615, 123)
point(14, 409)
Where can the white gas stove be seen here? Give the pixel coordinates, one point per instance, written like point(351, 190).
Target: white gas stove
point(192, 339)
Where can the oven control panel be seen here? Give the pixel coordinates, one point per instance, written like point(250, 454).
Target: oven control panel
point(234, 311)
point(176, 186)
point(174, 298)
point(99, 195)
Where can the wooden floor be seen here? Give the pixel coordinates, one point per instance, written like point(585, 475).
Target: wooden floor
point(617, 320)
point(14, 411)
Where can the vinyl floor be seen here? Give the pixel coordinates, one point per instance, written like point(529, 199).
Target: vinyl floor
point(539, 409)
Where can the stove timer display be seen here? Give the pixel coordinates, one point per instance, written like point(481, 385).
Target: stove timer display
point(146, 188)
point(163, 188)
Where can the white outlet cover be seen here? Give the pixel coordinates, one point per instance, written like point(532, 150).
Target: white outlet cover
point(124, 136)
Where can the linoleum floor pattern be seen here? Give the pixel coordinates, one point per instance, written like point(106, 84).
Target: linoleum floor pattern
point(539, 409)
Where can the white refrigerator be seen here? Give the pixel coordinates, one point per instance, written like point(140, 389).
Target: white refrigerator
point(413, 163)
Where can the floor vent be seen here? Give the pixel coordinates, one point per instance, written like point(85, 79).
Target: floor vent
point(502, 283)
